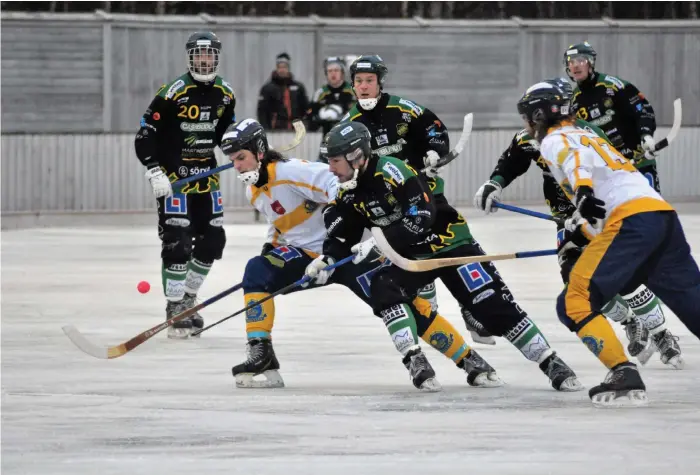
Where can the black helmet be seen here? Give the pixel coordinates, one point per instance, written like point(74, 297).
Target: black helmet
point(369, 64)
point(347, 139)
point(544, 104)
point(333, 60)
point(245, 135)
point(563, 84)
point(583, 50)
point(202, 44)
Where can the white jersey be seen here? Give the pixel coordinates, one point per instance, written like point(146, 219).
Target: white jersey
point(578, 157)
point(292, 201)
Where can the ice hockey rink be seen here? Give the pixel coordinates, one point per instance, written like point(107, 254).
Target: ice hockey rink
point(171, 407)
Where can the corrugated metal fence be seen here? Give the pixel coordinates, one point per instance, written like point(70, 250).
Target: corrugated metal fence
point(85, 172)
point(85, 72)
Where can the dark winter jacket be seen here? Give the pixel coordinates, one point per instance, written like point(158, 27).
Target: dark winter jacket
point(281, 101)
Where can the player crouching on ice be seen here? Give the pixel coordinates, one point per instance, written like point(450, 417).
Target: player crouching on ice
point(632, 236)
point(291, 193)
point(387, 193)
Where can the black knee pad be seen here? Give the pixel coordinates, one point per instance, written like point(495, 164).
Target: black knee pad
point(176, 246)
point(210, 245)
point(385, 291)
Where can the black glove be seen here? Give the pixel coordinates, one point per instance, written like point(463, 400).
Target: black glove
point(589, 207)
point(267, 247)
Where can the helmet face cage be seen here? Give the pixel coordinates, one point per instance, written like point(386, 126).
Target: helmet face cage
point(203, 60)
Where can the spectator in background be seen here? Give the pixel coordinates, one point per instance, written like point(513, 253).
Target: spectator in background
point(331, 101)
point(282, 99)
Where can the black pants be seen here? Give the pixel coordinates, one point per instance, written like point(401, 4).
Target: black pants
point(285, 265)
point(478, 287)
point(191, 226)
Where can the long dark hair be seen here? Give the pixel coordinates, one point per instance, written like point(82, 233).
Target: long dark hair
point(273, 156)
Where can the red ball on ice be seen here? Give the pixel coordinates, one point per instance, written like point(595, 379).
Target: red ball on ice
point(143, 287)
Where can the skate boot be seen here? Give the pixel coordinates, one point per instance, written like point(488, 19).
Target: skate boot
point(560, 375)
point(180, 330)
point(623, 386)
point(639, 345)
point(190, 301)
point(669, 349)
point(261, 360)
point(422, 374)
point(480, 374)
point(477, 330)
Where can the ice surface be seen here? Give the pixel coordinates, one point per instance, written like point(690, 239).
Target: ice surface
point(170, 407)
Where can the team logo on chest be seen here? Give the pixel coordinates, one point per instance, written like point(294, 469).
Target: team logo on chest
point(402, 129)
point(277, 207)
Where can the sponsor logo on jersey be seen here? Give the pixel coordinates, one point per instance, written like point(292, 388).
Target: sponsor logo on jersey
point(391, 149)
point(174, 88)
point(182, 171)
point(220, 111)
point(196, 127)
point(204, 116)
point(378, 211)
point(595, 113)
point(394, 172)
point(608, 103)
point(183, 100)
point(382, 139)
point(402, 129)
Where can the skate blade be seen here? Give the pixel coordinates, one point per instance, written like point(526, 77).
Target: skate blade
point(645, 355)
point(676, 362)
point(484, 340)
point(632, 398)
point(487, 380)
point(570, 385)
point(431, 385)
point(179, 333)
point(270, 379)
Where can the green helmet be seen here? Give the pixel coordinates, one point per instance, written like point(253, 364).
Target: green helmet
point(584, 50)
point(369, 64)
point(349, 139)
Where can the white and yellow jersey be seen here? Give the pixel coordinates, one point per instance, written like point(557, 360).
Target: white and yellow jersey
point(578, 157)
point(292, 201)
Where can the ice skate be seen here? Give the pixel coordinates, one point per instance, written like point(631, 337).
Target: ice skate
point(639, 344)
point(179, 330)
point(190, 301)
point(669, 349)
point(422, 374)
point(480, 374)
point(261, 361)
point(622, 387)
point(560, 375)
point(477, 330)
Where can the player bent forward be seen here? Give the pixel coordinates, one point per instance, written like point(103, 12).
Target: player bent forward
point(387, 193)
point(637, 309)
point(290, 193)
point(632, 237)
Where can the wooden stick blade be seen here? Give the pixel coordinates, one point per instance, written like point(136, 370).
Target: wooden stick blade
point(84, 345)
point(299, 134)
